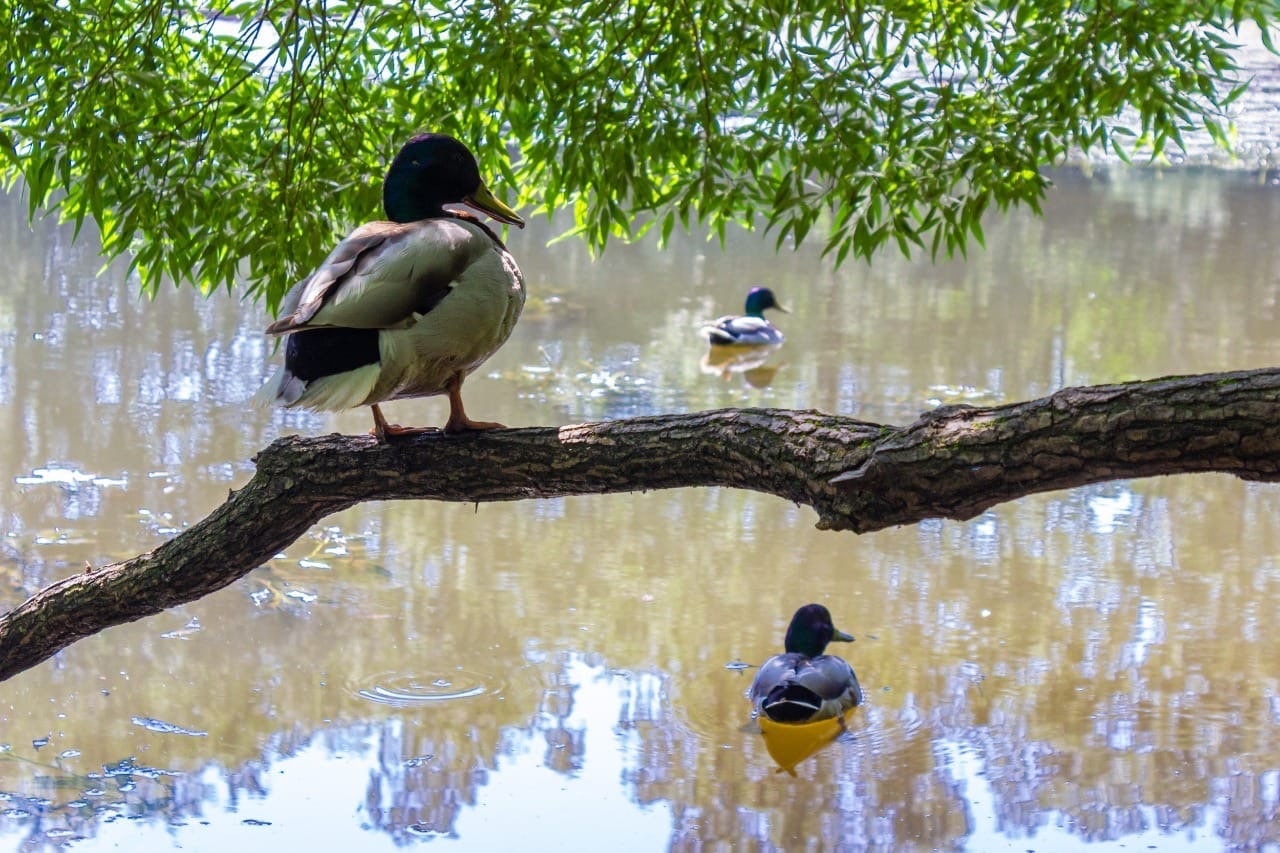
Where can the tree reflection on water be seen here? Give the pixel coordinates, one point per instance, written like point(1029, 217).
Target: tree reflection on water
point(1093, 665)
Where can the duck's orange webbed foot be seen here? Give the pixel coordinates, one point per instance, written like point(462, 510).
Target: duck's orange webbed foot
point(386, 433)
point(458, 420)
point(465, 424)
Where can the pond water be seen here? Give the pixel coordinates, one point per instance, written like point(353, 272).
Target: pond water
point(1086, 666)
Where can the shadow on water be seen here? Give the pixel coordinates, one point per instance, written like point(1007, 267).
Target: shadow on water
point(1093, 665)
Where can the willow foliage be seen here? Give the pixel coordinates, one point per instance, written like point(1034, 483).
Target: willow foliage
point(230, 143)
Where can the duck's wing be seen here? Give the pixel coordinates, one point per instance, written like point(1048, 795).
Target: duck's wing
point(716, 330)
point(739, 329)
point(831, 677)
point(384, 275)
point(721, 330)
point(776, 670)
point(305, 298)
point(746, 325)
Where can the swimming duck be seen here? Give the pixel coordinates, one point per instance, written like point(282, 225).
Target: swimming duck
point(750, 328)
point(406, 307)
point(803, 685)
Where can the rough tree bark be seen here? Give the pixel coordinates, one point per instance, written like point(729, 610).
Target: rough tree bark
point(954, 462)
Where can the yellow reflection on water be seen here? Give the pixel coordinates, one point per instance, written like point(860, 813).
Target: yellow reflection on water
point(789, 745)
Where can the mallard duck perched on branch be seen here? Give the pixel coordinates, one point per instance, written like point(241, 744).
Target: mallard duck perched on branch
point(407, 307)
point(804, 685)
point(749, 328)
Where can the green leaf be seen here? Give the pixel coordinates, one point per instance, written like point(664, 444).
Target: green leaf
point(235, 155)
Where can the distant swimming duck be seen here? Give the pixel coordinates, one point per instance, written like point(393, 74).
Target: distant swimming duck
point(750, 328)
point(803, 685)
point(407, 307)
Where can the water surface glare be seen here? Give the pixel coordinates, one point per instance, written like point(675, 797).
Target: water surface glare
point(1094, 666)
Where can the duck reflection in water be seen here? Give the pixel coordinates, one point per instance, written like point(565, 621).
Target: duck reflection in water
point(750, 361)
point(789, 743)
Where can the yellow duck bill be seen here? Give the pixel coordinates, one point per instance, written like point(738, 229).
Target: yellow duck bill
point(484, 200)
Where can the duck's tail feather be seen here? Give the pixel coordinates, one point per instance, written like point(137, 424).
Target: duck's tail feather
point(791, 703)
point(335, 393)
point(718, 335)
point(340, 391)
point(281, 389)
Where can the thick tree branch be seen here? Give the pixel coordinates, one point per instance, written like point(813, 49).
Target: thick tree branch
point(953, 462)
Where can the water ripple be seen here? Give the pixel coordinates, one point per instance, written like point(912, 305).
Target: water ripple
point(407, 690)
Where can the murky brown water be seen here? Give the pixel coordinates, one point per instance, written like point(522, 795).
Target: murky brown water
point(1095, 665)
